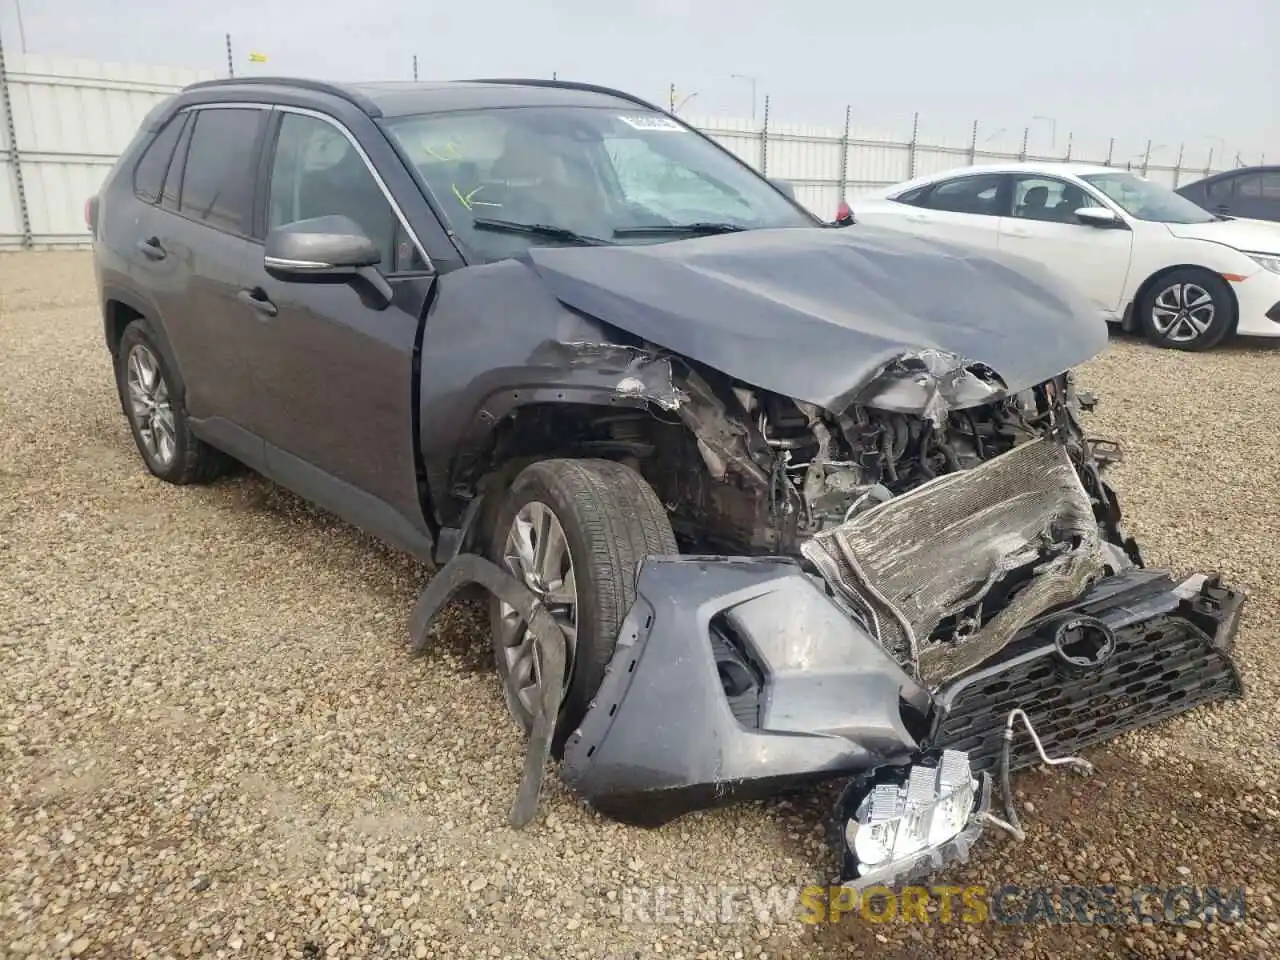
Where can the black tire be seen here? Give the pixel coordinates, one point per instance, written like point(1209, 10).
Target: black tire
point(1171, 289)
point(611, 520)
point(192, 460)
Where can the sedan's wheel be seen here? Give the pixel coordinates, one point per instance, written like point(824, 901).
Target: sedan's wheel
point(573, 532)
point(156, 413)
point(1188, 309)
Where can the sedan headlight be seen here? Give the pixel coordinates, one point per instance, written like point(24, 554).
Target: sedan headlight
point(1268, 261)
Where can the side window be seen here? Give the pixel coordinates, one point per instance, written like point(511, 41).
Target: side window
point(978, 195)
point(218, 180)
point(913, 196)
point(316, 172)
point(148, 175)
point(1220, 190)
point(1259, 186)
point(173, 179)
point(1048, 199)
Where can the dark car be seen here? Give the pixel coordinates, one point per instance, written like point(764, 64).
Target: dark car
point(1249, 192)
point(759, 502)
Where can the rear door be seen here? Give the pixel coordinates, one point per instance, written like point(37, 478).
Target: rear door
point(964, 209)
point(1043, 227)
point(193, 253)
point(335, 372)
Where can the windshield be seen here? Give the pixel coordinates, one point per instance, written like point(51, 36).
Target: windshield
point(619, 175)
point(1146, 200)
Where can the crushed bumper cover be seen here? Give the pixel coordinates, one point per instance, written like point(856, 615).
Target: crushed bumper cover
point(734, 679)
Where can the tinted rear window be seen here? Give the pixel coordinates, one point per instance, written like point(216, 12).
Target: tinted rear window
point(148, 176)
point(218, 181)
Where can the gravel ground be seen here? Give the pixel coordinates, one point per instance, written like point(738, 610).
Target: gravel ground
point(213, 742)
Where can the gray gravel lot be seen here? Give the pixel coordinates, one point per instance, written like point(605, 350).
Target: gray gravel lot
point(213, 741)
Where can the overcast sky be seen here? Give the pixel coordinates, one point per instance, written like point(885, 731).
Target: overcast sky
point(1177, 71)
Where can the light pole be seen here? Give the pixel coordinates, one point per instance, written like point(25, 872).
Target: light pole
point(22, 33)
point(751, 80)
point(1053, 128)
point(680, 106)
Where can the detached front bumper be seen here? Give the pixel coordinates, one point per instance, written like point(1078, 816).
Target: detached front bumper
point(734, 679)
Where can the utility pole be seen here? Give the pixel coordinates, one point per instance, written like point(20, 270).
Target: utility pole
point(231, 63)
point(415, 68)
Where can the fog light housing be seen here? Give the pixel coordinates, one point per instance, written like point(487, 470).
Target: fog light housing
point(904, 822)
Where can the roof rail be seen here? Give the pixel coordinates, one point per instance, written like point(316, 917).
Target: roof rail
point(571, 85)
point(316, 86)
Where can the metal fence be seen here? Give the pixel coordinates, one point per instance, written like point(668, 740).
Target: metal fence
point(64, 122)
point(827, 165)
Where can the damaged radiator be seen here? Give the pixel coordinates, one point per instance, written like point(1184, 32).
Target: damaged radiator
point(984, 551)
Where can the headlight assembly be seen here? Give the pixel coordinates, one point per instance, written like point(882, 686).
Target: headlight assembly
point(1268, 261)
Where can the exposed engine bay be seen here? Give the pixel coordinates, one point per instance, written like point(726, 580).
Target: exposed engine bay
point(759, 473)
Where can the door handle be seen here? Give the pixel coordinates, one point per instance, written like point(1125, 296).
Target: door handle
point(151, 248)
point(257, 298)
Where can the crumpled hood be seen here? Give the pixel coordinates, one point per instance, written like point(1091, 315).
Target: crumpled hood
point(1256, 236)
point(815, 314)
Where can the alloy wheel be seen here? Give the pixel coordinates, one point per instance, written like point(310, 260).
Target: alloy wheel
point(537, 554)
point(149, 405)
point(1183, 312)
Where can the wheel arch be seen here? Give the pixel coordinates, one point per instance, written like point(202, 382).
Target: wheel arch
point(526, 426)
point(121, 307)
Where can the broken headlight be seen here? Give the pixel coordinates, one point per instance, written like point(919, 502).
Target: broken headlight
point(902, 826)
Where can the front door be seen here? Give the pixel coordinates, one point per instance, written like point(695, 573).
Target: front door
point(334, 372)
point(1043, 227)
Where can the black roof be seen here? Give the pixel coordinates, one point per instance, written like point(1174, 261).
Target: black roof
point(400, 98)
point(1265, 168)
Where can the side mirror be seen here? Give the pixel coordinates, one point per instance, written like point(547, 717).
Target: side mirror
point(329, 249)
point(1098, 217)
point(786, 187)
point(320, 248)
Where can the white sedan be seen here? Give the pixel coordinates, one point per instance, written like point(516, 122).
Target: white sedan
point(1146, 257)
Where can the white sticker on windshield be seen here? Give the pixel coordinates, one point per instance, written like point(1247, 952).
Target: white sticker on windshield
point(649, 121)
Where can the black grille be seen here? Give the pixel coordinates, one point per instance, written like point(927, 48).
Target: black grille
point(1161, 667)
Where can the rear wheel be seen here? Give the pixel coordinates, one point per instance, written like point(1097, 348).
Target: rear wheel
point(157, 415)
point(573, 531)
point(1188, 309)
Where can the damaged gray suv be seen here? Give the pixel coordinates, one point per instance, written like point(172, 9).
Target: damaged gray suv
point(756, 501)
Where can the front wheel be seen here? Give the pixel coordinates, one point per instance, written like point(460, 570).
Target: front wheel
point(1188, 309)
point(573, 532)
